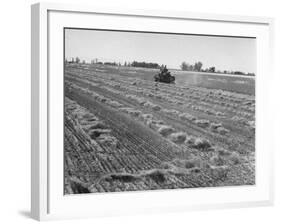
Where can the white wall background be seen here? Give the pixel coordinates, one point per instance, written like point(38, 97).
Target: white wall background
point(15, 110)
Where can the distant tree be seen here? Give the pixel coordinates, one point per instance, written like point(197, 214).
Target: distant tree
point(191, 68)
point(77, 60)
point(184, 66)
point(239, 73)
point(125, 63)
point(188, 67)
point(144, 64)
point(198, 66)
point(212, 69)
point(110, 63)
point(251, 73)
point(83, 62)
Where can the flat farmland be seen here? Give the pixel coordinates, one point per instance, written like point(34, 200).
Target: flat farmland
point(234, 83)
point(124, 132)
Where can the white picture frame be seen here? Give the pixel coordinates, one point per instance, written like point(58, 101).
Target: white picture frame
point(47, 202)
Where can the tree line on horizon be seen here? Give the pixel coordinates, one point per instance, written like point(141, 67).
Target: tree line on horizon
point(142, 64)
point(196, 67)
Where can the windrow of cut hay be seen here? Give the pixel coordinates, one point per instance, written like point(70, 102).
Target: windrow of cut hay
point(158, 125)
point(168, 98)
point(205, 112)
point(91, 125)
point(192, 106)
point(162, 128)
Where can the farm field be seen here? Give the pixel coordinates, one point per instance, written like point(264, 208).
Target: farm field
point(123, 132)
point(234, 83)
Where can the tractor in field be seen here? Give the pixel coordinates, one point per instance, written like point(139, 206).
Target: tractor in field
point(164, 76)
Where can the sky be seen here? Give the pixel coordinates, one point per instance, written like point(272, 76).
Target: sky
point(225, 53)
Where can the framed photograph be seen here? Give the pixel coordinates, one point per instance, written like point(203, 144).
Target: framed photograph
point(138, 111)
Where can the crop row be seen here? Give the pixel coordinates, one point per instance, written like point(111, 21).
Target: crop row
point(163, 129)
point(196, 104)
point(244, 102)
point(123, 168)
point(151, 177)
point(203, 123)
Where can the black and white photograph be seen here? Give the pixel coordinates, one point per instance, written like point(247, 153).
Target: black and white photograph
point(153, 111)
